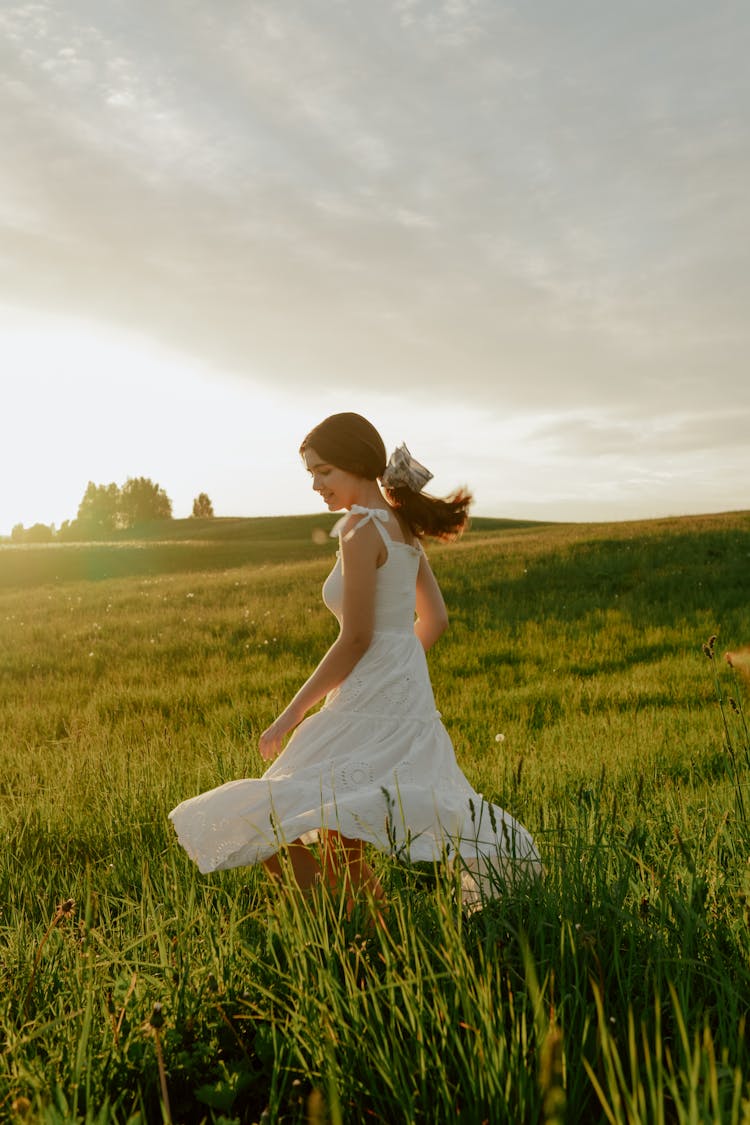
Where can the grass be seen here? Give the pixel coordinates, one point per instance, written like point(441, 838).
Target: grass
point(615, 990)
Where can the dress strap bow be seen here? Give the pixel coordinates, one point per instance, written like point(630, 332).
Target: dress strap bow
point(370, 514)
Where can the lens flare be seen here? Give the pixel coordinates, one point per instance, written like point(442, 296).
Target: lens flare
point(739, 660)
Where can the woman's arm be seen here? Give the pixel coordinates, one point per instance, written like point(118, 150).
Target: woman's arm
point(432, 616)
point(359, 566)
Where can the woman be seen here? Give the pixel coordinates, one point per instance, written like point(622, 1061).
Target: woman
point(374, 764)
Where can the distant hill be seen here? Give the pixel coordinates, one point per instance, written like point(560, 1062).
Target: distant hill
point(263, 528)
point(183, 546)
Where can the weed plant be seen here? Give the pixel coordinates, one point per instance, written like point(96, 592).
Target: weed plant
point(582, 692)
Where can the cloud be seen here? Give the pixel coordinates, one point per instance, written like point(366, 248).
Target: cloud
point(515, 203)
point(658, 437)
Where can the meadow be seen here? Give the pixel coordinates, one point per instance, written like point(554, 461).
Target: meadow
point(584, 686)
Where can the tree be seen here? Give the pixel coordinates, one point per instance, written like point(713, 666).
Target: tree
point(202, 507)
point(39, 533)
point(99, 511)
point(142, 501)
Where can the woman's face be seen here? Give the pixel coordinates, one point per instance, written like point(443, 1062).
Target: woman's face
point(337, 487)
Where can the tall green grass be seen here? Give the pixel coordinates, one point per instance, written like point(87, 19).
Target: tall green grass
point(616, 989)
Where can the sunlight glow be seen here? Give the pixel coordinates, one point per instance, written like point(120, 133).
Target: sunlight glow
point(88, 403)
point(85, 405)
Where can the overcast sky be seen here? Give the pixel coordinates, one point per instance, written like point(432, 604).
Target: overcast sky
point(514, 234)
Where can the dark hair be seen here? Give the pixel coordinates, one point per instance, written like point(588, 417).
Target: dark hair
point(351, 443)
point(431, 515)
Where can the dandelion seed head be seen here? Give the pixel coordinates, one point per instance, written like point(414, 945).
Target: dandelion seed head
point(499, 738)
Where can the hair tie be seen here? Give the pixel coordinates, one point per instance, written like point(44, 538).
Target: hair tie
point(402, 471)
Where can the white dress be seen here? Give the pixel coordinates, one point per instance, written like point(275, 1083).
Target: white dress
point(375, 762)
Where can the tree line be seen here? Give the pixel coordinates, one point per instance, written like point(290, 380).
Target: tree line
point(106, 509)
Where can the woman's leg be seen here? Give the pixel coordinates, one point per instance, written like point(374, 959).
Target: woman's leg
point(345, 866)
point(305, 867)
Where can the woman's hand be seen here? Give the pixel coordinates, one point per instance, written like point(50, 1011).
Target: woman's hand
point(272, 738)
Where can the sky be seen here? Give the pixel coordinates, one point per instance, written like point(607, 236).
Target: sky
point(514, 235)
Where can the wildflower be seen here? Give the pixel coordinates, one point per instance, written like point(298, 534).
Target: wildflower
point(156, 1019)
point(499, 738)
point(63, 911)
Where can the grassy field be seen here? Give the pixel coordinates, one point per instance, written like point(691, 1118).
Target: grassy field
point(615, 990)
point(180, 546)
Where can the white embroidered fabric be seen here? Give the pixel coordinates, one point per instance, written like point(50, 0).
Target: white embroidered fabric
point(375, 762)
